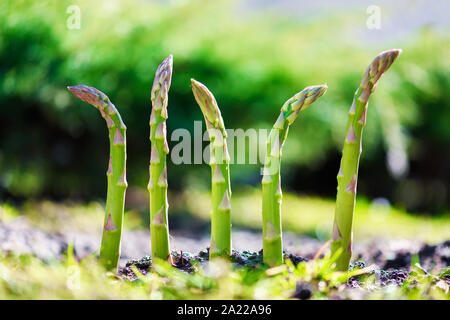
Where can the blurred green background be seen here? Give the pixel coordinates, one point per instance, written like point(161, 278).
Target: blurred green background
point(253, 55)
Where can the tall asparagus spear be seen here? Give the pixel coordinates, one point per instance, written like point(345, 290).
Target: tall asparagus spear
point(220, 173)
point(116, 173)
point(157, 185)
point(348, 173)
point(271, 182)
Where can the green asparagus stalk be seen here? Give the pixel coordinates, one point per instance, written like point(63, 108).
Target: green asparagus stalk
point(157, 185)
point(220, 173)
point(116, 173)
point(271, 182)
point(348, 172)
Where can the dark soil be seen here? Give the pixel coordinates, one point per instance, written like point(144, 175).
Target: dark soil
point(394, 271)
point(186, 262)
point(383, 277)
point(303, 291)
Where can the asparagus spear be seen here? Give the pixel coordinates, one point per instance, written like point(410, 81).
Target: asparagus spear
point(157, 185)
point(271, 182)
point(220, 176)
point(348, 173)
point(116, 173)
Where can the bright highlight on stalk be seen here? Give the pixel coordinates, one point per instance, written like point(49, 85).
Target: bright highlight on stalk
point(271, 182)
point(348, 173)
point(157, 185)
point(116, 173)
point(220, 172)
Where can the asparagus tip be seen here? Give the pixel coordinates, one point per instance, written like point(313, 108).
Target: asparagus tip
point(205, 100)
point(89, 95)
point(163, 77)
point(196, 83)
point(166, 64)
point(379, 65)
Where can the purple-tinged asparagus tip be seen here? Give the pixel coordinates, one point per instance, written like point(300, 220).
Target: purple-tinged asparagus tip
point(90, 95)
point(163, 75)
point(302, 100)
point(312, 93)
point(379, 65)
point(317, 91)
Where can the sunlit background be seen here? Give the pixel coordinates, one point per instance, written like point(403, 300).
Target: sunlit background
point(253, 55)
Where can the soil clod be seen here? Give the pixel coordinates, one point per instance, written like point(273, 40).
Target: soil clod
point(302, 291)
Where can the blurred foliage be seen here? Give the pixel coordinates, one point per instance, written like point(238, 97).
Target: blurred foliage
point(54, 145)
point(313, 216)
point(190, 212)
point(66, 217)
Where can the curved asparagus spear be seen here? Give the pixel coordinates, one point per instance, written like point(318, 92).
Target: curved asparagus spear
point(116, 173)
point(220, 176)
point(157, 185)
point(271, 182)
point(348, 172)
